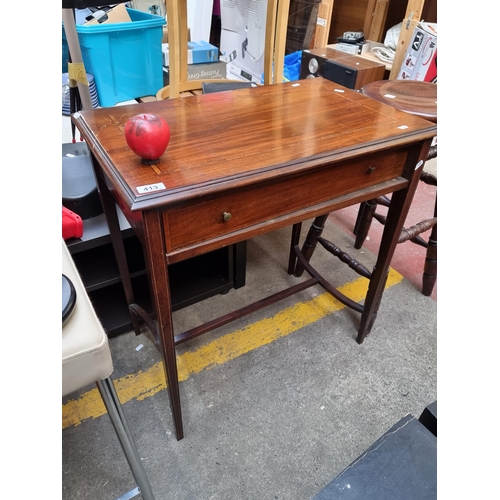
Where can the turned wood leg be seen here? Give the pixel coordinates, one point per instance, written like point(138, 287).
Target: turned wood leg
point(363, 222)
point(294, 241)
point(310, 243)
point(430, 268)
point(359, 217)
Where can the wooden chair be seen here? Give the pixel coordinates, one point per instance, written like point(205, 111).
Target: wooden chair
point(420, 99)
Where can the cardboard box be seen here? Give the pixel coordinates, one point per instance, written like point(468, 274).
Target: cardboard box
point(117, 14)
point(242, 41)
point(198, 53)
point(208, 71)
point(420, 60)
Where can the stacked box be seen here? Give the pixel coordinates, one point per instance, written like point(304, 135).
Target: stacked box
point(198, 52)
point(420, 60)
point(203, 62)
point(208, 71)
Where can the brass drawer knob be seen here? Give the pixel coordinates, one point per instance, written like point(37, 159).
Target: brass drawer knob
point(226, 216)
point(371, 169)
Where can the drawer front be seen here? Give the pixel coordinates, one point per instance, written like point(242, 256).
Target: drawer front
point(244, 208)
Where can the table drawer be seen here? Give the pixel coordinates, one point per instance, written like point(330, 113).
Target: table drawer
point(247, 207)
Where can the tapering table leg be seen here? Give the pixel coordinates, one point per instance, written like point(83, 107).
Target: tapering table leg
point(292, 259)
point(155, 255)
point(396, 216)
point(109, 208)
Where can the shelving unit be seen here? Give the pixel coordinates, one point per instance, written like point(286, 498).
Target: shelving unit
point(376, 17)
point(191, 281)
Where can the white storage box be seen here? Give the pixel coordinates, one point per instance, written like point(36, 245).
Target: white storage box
point(420, 60)
point(242, 41)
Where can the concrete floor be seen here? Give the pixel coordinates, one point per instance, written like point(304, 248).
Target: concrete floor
point(279, 418)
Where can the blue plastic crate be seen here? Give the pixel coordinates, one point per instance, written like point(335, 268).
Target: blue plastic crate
point(125, 58)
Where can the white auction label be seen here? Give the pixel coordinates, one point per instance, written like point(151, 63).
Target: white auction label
point(151, 188)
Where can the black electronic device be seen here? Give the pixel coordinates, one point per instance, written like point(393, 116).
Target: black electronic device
point(340, 73)
point(351, 71)
point(312, 63)
point(351, 37)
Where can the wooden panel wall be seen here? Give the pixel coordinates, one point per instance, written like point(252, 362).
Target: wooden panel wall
point(349, 15)
point(429, 12)
point(395, 14)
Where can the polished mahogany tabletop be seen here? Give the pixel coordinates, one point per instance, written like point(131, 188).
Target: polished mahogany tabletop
point(232, 138)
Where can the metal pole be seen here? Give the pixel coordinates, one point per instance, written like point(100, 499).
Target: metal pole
point(115, 412)
point(76, 70)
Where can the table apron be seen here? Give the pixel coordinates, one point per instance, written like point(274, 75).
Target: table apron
point(275, 203)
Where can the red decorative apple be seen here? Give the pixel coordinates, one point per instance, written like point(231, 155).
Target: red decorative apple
point(147, 135)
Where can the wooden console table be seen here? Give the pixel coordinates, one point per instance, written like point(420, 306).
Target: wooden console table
point(243, 163)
